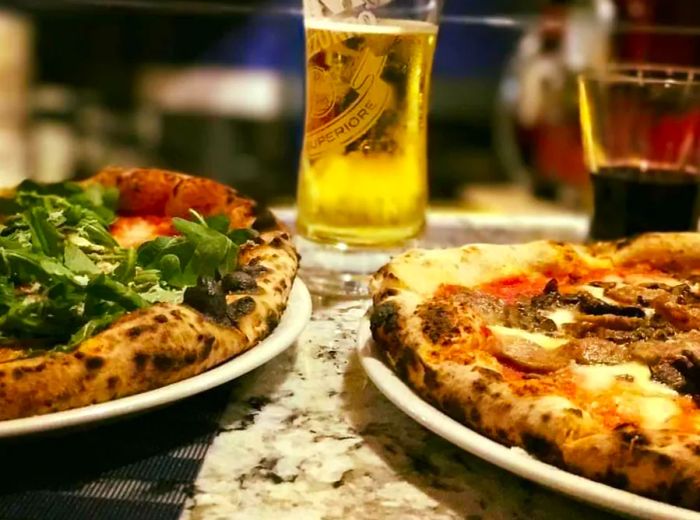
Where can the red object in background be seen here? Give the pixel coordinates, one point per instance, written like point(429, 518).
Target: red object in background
point(675, 138)
point(636, 45)
point(559, 153)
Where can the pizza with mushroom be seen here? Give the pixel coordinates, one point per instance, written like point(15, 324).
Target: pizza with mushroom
point(128, 281)
point(586, 356)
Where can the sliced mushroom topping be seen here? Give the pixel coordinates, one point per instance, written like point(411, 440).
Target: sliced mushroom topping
point(675, 362)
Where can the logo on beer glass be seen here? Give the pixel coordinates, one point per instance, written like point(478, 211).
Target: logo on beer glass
point(323, 96)
point(335, 7)
point(372, 98)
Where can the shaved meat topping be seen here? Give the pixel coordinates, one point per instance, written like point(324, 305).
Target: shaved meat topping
point(527, 355)
point(653, 323)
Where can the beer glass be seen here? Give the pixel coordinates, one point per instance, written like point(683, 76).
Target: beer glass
point(362, 190)
point(641, 137)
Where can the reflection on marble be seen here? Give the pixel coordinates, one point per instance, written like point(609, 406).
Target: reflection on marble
point(308, 436)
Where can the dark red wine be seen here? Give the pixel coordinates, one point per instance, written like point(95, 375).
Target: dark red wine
point(629, 201)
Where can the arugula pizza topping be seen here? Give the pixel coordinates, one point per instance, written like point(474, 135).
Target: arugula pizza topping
point(63, 276)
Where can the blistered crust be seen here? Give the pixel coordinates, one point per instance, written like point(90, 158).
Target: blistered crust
point(150, 191)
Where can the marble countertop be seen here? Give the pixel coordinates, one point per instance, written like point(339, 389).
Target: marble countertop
point(308, 436)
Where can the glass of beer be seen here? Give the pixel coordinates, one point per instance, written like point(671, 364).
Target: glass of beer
point(362, 190)
point(641, 137)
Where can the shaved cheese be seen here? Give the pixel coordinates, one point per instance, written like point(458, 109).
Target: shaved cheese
point(544, 341)
point(84, 243)
point(561, 317)
point(601, 377)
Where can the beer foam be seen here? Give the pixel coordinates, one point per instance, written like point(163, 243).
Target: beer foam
point(383, 26)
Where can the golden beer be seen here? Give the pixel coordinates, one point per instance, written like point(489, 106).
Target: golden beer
point(363, 176)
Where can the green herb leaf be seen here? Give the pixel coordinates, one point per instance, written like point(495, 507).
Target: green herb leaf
point(88, 330)
point(212, 253)
point(79, 262)
point(45, 236)
point(126, 270)
point(218, 223)
point(241, 236)
point(107, 289)
point(171, 269)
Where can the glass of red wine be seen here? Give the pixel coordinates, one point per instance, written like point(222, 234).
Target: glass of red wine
point(641, 138)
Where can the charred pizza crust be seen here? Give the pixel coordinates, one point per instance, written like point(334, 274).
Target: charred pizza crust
point(437, 341)
point(163, 343)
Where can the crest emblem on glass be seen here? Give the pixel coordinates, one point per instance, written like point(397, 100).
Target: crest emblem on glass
point(362, 189)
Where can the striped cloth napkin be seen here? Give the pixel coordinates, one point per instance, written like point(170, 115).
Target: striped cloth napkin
point(139, 468)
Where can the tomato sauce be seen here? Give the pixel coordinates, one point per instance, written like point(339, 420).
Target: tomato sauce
point(133, 231)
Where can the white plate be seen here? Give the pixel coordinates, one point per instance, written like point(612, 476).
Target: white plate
point(513, 460)
point(293, 321)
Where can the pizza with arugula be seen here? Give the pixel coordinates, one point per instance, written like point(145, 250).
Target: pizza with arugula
point(586, 356)
point(129, 281)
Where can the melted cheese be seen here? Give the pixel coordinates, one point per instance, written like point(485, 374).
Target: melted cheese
point(544, 341)
point(601, 377)
point(598, 292)
point(655, 412)
point(653, 403)
point(644, 278)
point(561, 317)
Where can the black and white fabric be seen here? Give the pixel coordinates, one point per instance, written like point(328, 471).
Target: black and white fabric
point(143, 467)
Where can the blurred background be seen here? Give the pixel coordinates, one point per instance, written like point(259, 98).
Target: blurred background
point(216, 88)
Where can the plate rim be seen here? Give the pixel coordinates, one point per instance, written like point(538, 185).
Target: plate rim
point(509, 459)
point(294, 320)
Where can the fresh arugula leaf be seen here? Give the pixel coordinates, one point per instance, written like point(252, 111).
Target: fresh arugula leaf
point(45, 236)
point(8, 243)
point(97, 233)
point(241, 236)
point(7, 294)
point(88, 330)
point(26, 267)
point(8, 206)
point(111, 290)
point(213, 250)
point(126, 270)
point(79, 262)
point(150, 253)
point(170, 269)
point(218, 223)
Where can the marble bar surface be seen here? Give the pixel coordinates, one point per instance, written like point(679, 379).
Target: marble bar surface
point(308, 436)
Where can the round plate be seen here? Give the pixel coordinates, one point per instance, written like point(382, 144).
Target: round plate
point(514, 460)
point(293, 321)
